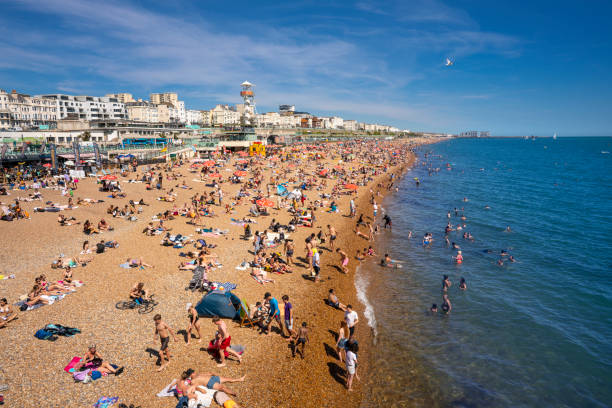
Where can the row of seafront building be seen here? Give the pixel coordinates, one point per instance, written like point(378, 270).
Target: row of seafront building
point(45, 112)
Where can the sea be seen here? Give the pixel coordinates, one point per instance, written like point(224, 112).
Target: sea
point(536, 332)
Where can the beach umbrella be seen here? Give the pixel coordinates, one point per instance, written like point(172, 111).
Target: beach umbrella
point(350, 186)
point(109, 177)
point(240, 173)
point(209, 163)
point(215, 175)
point(323, 172)
point(264, 202)
point(47, 165)
point(69, 163)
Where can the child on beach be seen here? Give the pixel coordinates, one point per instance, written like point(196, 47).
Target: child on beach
point(164, 331)
point(302, 339)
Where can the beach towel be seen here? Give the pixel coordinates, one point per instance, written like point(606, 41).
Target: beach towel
point(70, 367)
point(228, 286)
point(106, 402)
point(168, 391)
point(125, 265)
point(243, 266)
point(204, 397)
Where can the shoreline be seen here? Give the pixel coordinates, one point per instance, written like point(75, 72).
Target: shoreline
point(291, 382)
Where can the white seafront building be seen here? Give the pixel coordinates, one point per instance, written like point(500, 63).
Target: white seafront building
point(87, 107)
point(21, 110)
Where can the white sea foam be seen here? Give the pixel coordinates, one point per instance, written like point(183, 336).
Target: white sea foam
point(361, 285)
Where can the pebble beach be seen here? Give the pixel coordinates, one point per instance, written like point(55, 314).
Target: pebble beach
point(33, 368)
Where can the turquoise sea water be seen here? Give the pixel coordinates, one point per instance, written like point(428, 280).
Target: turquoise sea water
point(534, 333)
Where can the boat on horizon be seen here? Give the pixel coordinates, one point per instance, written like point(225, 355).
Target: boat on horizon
point(555, 136)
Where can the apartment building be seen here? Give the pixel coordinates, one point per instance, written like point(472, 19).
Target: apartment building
point(122, 97)
point(87, 107)
point(21, 110)
point(142, 111)
point(224, 115)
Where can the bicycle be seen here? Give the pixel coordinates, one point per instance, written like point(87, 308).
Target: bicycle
point(146, 306)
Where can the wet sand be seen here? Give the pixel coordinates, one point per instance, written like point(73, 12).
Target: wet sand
point(33, 369)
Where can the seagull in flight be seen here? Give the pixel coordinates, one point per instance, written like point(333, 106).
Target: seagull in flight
point(449, 62)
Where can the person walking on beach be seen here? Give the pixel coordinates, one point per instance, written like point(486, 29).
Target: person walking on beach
point(224, 341)
point(332, 236)
point(351, 318)
point(351, 364)
point(289, 249)
point(316, 264)
point(163, 331)
point(302, 339)
point(274, 313)
point(353, 209)
point(194, 322)
point(288, 316)
point(344, 260)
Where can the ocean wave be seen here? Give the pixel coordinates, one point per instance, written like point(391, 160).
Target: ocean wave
point(361, 285)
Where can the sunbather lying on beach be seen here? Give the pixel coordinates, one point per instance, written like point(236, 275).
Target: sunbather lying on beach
point(36, 296)
point(66, 221)
point(211, 381)
point(136, 262)
point(260, 275)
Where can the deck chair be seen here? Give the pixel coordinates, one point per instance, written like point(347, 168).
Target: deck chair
point(245, 316)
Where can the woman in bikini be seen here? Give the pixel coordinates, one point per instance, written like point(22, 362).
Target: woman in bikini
point(93, 360)
point(6, 313)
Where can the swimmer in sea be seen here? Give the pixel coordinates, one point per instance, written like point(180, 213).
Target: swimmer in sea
point(446, 240)
point(455, 246)
point(458, 258)
point(462, 284)
point(503, 252)
point(446, 283)
point(511, 259)
point(500, 262)
point(487, 207)
point(508, 229)
point(446, 304)
point(434, 308)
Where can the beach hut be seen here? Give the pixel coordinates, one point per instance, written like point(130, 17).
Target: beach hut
point(220, 303)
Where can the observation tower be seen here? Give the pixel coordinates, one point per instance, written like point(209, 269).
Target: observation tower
point(248, 96)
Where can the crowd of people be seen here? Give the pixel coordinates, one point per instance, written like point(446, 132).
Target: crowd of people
point(318, 188)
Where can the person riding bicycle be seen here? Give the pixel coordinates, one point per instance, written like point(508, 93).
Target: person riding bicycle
point(138, 294)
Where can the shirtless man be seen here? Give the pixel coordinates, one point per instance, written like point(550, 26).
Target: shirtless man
point(333, 300)
point(224, 342)
point(332, 236)
point(211, 381)
point(164, 331)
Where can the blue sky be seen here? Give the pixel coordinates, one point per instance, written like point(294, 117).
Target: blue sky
point(522, 67)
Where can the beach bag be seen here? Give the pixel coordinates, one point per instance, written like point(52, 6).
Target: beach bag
point(81, 375)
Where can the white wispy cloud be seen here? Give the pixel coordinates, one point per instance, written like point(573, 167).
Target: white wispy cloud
point(136, 47)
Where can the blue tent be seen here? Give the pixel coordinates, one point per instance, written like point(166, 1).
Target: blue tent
point(219, 303)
